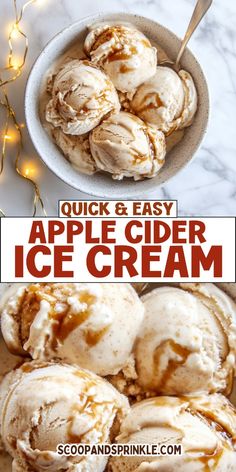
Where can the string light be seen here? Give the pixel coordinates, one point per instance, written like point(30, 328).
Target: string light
point(10, 74)
point(29, 169)
point(14, 33)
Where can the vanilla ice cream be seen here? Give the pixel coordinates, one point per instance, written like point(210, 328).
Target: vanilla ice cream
point(187, 343)
point(204, 426)
point(93, 325)
point(168, 100)
point(43, 405)
point(82, 95)
point(125, 54)
point(76, 149)
point(125, 146)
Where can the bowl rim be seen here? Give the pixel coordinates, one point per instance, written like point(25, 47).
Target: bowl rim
point(91, 191)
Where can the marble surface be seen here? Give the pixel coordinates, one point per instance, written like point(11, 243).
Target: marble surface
point(208, 185)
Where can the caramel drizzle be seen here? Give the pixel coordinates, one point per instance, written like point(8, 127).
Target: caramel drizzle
point(173, 364)
point(64, 323)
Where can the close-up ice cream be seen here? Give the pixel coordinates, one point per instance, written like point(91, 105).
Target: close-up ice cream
point(204, 426)
point(125, 146)
point(92, 325)
point(187, 343)
point(82, 95)
point(124, 52)
point(168, 100)
point(177, 341)
point(43, 405)
point(76, 149)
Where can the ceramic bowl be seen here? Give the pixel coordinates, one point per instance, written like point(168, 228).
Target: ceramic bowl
point(101, 184)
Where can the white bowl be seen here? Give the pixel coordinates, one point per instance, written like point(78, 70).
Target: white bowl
point(101, 184)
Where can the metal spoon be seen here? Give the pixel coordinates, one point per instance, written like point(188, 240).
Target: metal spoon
point(201, 8)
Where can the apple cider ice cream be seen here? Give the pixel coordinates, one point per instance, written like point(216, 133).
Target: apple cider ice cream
point(125, 146)
point(92, 325)
point(168, 100)
point(43, 405)
point(204, 426)
point(76, 149)
point(82, 95)
point(187, 343)
point(114, 110)
point(124, 52)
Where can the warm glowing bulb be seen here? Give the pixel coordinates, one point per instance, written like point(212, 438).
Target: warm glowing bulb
point(29, 170)
point(7, 137)
point(14, 32)
point(16, 63)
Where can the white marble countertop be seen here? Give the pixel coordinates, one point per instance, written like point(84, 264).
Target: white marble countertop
point(208, 185)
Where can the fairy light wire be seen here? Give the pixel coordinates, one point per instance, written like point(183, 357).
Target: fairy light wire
point(10, 114)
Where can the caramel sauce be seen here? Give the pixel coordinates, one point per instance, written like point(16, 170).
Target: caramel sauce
point(12, 441)
point(210, 418)
point(93, 337)
point(108, 34)
point(138, 158)
point(90, 407)
point(63, 322)
point(215, 458)
point(146, 43)
point(173, 365)
point(125, 69)
point(28, 309)
point(119, 55)
point(156, 102)
point(67, 321)
point(29, 367)
point(163, 401)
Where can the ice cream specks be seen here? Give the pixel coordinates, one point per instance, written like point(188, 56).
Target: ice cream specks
point(79, 323)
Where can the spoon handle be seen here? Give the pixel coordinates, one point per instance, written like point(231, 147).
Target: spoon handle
point(200, 10)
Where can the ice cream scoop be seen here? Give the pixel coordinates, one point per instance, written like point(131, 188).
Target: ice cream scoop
point(204, 426)
point(168, 100)
point(125, 146)
point(76, 149)
point(124, 52)
point(82, 95)
point(44, 405)
point(187, 343)
point(92, 325)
